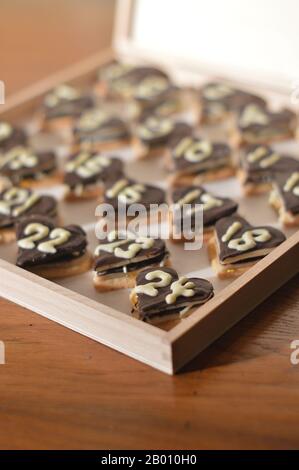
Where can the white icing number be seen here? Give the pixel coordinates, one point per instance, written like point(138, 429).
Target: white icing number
point(17, 197)
point(155, 127)
point(86, 166)
point(62, 92)
point(258, 156)
point(35, 232)
point(253, 114)
point(151, 87)
point(158, 278)
point(92, 120)
point(292, 184)
point(19, 157)
point(180, 288)
point(126, 193)
point(137, 244)
point(248, 240)
point(217, 91)
point(193, 150)
point(209, 201)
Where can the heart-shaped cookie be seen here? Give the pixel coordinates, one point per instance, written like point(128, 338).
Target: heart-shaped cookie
point(193, 159)
point(161, 295)
point(11, 136)
point(214, 207)
point(66, 101)
point(18, 202)
point(257, 124)
point(121, 256)
point(85, 171)
point(127, 191)
point(49, 250)
point(238, 244)
point(218, 99)
point(23, 165)
point(259, 165)
point(285, 197)
point(100, 129)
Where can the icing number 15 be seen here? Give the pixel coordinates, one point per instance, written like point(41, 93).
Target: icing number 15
point(35, 232)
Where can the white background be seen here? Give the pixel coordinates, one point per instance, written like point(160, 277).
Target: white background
point(257, 39)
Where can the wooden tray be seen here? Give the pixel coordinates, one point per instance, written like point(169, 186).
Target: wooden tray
point(167, 351)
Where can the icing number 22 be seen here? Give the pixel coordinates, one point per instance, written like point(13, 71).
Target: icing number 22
point(35, 232)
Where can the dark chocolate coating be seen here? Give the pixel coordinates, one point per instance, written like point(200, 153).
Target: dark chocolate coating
point(225, 252)
point(45, 205)
point(112, 172)
point(290, 200)
point(283, 121)
point(112, 129)
point(46, 165)
point(149, 307)
point(157, 139)
point(234, 101)
point(73, 248)
point(257, 174)
point(69, 108)
point(210, 216)
point(151, 195)
point(16, 138)
point(220, 156)
point(107, 261)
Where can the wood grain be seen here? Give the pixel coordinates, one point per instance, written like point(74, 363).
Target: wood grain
point(60, 390)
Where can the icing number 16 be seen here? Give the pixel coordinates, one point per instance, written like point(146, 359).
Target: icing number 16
point(36, 232)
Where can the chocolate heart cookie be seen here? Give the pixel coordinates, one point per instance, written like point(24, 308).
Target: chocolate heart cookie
point(99, 130)
point(49, 250)
point(29, 168)
point(259, 166)
point(118, 259)
point(285, 197)
point(256, 124)
point(161, 295)
point(237, 245)
point(86, 171)
point(18, 202)
point(213, 207)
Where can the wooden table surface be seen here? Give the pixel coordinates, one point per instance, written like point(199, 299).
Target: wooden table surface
point(61, 390)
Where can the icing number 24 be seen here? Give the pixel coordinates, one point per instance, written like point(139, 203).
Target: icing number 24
point(35, 232)
point(181, 287)
point(248, 240)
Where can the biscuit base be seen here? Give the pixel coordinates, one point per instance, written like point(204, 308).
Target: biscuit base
point(228, 271)
point(86, 195)
point(45, 182)
point(252, 189)
point(177, 180)
point(286, 218)
point(101, 146)
point(63, 269)
point(122, 281)
point(207, 234)
point(7, 235)
point(165, 321)
point(238, 139)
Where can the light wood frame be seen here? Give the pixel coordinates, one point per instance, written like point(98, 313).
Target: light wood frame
point(166, 351)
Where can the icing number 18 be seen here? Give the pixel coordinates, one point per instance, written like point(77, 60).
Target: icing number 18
point(35, 232)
